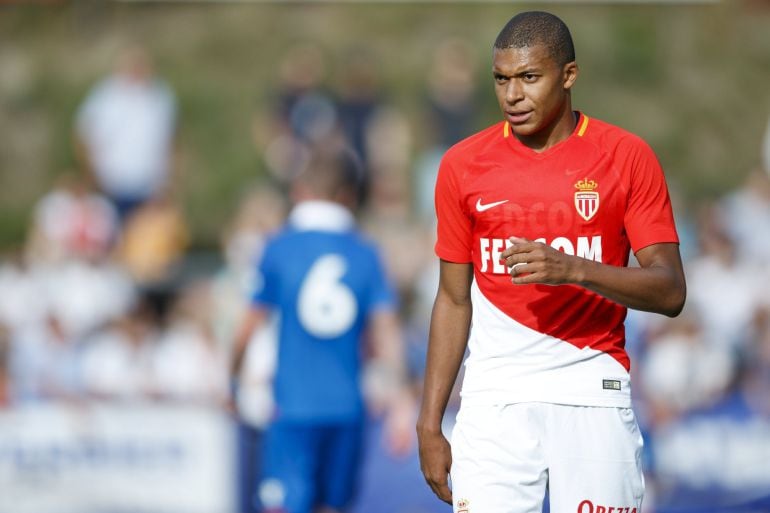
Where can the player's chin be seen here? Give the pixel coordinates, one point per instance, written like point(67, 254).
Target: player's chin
point(525, 129)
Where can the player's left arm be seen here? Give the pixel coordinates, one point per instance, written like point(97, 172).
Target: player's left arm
point(387, 346)
point(254, 318)
point(657, 285)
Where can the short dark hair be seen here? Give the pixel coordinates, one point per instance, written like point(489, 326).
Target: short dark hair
point(332, 168)
point(537, 27)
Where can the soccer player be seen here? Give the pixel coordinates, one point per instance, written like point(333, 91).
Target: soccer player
point(536, 217)
point(328, 285)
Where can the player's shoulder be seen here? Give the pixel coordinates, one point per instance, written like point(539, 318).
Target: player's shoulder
point(289, 237)
point(473, 144)
point(363, 242)
point(281, 240)
point(611, 137)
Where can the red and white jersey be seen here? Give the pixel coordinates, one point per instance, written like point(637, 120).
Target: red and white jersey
point(597, 194)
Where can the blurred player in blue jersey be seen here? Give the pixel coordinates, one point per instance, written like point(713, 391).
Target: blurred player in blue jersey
point(328, 286)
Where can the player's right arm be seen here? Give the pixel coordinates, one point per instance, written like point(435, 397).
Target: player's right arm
point(255, 318)
point(448, 338)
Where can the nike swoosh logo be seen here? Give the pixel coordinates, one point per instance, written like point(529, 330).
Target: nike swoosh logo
point(481, 207)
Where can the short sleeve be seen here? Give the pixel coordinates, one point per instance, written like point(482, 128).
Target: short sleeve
point(382, 295)
point(649, 218)
point(266, 286)
point(453, 241)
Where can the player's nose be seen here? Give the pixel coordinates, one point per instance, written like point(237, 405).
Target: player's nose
point(513, 92)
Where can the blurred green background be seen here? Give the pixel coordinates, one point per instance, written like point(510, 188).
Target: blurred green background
point(690, 79)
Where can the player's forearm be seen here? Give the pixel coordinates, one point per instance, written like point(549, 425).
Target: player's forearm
point(447, 341)
point(658, 285)
point(253, 319)
point(387, 343)
point(655, 288)
point(389, 360)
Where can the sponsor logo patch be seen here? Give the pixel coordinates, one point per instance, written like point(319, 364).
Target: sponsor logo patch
point(586, 198)
point(611, 384)
point(462, 506)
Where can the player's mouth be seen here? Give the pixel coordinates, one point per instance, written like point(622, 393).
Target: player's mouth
point(518, 117)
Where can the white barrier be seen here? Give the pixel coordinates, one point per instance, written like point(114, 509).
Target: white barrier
point(105, 459)
point(711, 452)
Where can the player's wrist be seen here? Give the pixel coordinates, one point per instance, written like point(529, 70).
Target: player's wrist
point(427, 426)
point(579, 274)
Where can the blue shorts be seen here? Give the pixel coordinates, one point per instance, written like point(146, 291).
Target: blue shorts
point(310, 465)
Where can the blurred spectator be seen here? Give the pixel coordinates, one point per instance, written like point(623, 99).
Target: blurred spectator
point(5, 380)
point(389, 221)
point(44, 362)
point(23, 294)
point(305, 107)
point(451, 91)
point(682, 372)
point(755, 380)
point(154, 239)
point(186, 365)
point(750, 201)
point(125, 130)
point(722, 288)
point(116, 363)
point(451, 115)
point(389, 143)
point(388, 216)
point(305, 115)
point(360, 98)
point(85, 295)
point(72, 221)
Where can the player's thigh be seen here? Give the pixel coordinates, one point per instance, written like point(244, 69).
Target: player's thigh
point(340, 464)
point(290, 466)
point(595, 460)
point(498, 463)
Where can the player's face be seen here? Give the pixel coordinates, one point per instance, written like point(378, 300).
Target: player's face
point(533, 93)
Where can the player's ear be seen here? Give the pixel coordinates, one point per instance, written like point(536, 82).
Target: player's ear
point(570, 73)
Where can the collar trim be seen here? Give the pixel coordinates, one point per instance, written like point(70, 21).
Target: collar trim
point(319, 215)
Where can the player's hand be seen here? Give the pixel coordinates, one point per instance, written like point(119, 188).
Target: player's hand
point(399, 424)
point(435, 463)
point(536, 262)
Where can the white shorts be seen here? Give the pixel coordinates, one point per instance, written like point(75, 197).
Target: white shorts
point(504, 457)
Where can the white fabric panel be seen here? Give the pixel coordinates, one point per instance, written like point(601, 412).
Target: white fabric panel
point(511, 363)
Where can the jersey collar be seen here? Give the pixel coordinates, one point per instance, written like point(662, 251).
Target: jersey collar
point(577, 132)
point(325, 216)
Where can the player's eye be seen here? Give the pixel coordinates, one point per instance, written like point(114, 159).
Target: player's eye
point(500, 79)
point(529, 77)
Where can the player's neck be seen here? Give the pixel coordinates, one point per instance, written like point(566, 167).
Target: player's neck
point(557, 131)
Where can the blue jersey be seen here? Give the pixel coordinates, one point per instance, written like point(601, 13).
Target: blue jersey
point(324, 279)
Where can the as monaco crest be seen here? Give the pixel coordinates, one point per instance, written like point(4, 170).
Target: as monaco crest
point(586, 199)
